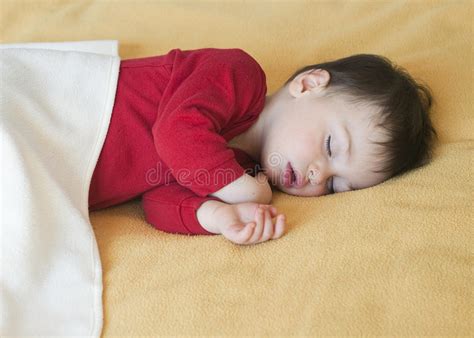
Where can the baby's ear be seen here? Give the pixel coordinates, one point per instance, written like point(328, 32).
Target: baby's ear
point(313, 80)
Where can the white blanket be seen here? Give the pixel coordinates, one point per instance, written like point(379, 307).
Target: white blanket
point(56, 101)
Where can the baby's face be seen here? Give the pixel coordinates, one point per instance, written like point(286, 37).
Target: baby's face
point(325, 142)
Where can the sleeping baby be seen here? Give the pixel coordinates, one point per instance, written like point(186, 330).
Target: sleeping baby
point(195, 135)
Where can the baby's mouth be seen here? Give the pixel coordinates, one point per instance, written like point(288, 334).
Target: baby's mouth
point(293, 175)
point(290, 178)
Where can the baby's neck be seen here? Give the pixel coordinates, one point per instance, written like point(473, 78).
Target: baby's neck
point(251, 141)
point(247, 143)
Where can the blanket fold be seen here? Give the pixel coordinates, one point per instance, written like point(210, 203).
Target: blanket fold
point(56, 102)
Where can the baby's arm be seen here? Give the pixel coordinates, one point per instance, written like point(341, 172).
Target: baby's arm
point(246, 189)
point(223, 89)
point(172, 208)
point(175, 209)
point(242, 223)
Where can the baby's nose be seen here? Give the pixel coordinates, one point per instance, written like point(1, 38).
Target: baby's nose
point(313, 176)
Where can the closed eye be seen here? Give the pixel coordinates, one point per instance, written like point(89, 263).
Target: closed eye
point(328, 146)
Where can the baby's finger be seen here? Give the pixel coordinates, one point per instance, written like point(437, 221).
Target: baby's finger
point(268, 227)
point(273, 210)
point(279, 226)
point(260, 219)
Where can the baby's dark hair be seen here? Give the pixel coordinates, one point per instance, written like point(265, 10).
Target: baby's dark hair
point(404, 106)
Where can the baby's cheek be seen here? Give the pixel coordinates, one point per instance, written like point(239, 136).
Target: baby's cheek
point(275, 179)
point(272, 174)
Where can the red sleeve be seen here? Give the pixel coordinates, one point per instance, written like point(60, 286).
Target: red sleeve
point(172, 207)
point(206, 94)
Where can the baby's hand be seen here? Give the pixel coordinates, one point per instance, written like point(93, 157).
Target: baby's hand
point(252, 223)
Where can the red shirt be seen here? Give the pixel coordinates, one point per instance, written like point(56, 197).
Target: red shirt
point(167, 139)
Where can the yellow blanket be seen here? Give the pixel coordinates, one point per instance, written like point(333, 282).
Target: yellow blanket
point(395, 259)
